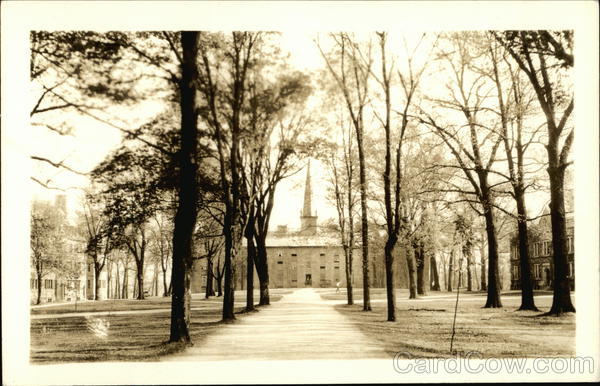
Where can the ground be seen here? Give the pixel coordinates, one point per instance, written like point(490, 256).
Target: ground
point(300, 324)
point(131, 330)
point(423, 326)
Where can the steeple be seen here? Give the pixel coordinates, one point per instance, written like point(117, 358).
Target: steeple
point(308, 221)
point(307, 208)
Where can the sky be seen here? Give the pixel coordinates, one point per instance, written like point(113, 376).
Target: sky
point(91, 141)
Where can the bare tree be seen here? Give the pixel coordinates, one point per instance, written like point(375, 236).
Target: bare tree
point(546, 57)
point(474, 151)
point(352, 78)
point(342, 167)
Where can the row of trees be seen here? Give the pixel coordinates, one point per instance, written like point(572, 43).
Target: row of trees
point(473, 142)
point(231, 123)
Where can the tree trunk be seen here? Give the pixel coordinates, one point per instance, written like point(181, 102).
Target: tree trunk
point(262, 269)
point(209, 278)
point(450, 268)
point(348, 261)
point(166, 289)
point(108, 279)
point(422, 270)
point(412, 271)
point(527, 300)
point(96, 281)
point(493, 289)
point(185, 217)
point(483, 268)
point(229, 285)
point(561, 301)
point(140, 280)
point(389, 279)
point(364, 219)
point(436, 276)
point(220, 285)
point(469, 258)
point(251, 256)
point(117, 282)
point(125, 282)
point(39, 287)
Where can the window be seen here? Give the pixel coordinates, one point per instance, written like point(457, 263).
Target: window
point(515, 272)
point(33, 283)
point(321, 254)
point(293, 254)
point(48, 284)
point(322, 267)
point(280, 262)
point(548, 248)
point(336, 267)
point(88, 284)
point(571, 271)
point(570, 245)
point(204, 280)
point(536, 271)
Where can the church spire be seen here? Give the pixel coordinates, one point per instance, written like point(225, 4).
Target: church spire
point(307, 208)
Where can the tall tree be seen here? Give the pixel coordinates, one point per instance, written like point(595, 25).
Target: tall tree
point(223, 83)
point(342, 167)
point(185, 216)
point(162, 245)
point(395, 209)
point(514, 107)
point(474, 150)
point(97, 233)
point(546, 58)
point(352, 78)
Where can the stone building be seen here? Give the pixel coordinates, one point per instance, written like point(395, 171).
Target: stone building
point(540, 253)
point(311, 256)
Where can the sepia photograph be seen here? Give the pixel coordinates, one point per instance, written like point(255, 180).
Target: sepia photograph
point(289, 197)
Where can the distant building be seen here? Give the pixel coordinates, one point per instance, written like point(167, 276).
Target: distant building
point(311, 256)
point(541, 255)
point(91, 281)
point(67, 282)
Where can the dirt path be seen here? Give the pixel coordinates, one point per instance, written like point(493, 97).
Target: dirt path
point(299, 326)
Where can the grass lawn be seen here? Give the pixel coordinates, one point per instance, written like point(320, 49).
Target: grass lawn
point(423, 326)
point(131, 337)
point(150, 303)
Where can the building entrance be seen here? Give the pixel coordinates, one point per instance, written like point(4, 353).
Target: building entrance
point(308, 280)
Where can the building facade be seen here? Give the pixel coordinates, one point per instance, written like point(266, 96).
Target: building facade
point(65, 280)
point(541, 255)
point(311, 256)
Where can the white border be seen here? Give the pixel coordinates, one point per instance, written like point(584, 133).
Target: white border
point(20, 17)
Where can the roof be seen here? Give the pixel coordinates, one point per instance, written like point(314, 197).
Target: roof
point(293, 240)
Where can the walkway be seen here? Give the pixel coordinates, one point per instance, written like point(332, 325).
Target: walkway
point(299, 326)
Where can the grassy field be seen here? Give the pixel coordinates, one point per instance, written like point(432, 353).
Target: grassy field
point(423, 326)
point(131, 337)
point(151, 303)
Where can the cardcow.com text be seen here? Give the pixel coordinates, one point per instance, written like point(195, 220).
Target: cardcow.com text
point(473, 362)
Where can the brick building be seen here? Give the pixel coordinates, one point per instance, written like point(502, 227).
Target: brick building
point(65, 279)
point(540, 253)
